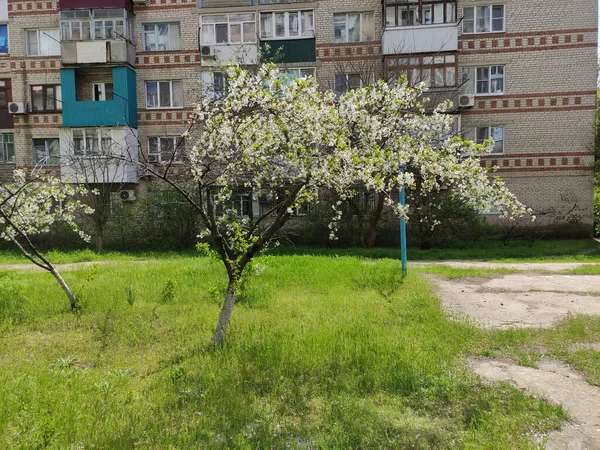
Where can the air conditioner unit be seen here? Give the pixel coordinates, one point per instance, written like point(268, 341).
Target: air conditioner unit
point(207, 51)
point(127, 195)
point(466, 101)
point(17, 107)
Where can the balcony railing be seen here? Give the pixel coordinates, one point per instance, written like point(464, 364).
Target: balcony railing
point(75, 53)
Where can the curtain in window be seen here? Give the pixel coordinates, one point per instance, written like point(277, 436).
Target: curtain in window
point(353, 27)
point(37, 98)
point(235, 33)
point(153, 155)
point(53, 152)
point(280, 24)
point(162, 39)
point(177, 93)
point(175, 37)
point(294, 24)
point(91, 142)
point(249, 32)
point(483, 19)
point(368, 27)
point(39, 152)
point(208, 34)
point(164, 92)
point(339, 28)
point(50, 98)
point(307, 27)
point(50, 42)
point(32, 43)
point(266, 25)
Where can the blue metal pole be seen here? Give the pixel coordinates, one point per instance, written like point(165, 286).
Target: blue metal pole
point(403, 228)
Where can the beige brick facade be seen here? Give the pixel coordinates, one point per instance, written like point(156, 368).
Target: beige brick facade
point(548, 51)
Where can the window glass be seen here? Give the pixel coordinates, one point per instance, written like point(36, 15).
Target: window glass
point(221, 33)
point(152, 94)
point(368, 27)
point(3, 38)
point(280, 24)
point(235, 33)
point(37, 98)
point(177, 93)
point(497, 18)
point(50, 98)
point(469, 20)
point(483, 19)
point(339, 28)
point(483, 83)
point(165, 94)
point(32, 42)
point(353, 27)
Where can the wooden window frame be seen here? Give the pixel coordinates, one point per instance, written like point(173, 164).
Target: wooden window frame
point(390, 69)
point(57, 103)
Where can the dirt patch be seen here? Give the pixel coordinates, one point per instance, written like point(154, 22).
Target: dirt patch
point(557, 383)
point(521, 300)
point(526, 267)
point(60, 267)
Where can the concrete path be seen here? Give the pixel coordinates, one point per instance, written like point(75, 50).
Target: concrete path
point(520, 300)
point(557, 383)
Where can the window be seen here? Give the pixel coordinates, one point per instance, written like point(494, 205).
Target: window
point(494, 133)
point(3, 38)
point(75, 25)
point(103, 92)
point(483, 19)
point(228, 29)
point(92, 142)
point(106, 24)
point(46, 97)
point(489, 80)
point(165, 149)
point(290, 75)
point(45, 152)
point(353, 27)
point(437, 71)
point(287, 24)
point(164, 94)
point(346, 82)
point(161, 36)
point(42, 42)
point(7, 148)
point(403, 13)
point(214, 84)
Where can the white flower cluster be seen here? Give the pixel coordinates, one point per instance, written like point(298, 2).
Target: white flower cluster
point(29, 207)
point(299, 142)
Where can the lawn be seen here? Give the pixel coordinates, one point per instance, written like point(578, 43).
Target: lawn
point(323, 352)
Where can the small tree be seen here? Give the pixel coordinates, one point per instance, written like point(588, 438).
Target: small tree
point(291, 143)
point(29, 207)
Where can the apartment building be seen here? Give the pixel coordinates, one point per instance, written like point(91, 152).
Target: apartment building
point(82, 77)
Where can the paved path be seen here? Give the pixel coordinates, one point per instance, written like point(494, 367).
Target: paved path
point(557, 383)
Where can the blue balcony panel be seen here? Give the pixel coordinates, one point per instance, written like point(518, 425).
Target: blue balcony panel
point(121, 111)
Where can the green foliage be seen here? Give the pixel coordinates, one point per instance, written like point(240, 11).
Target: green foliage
point(328, 364)
point(440, 220)
point(130, 295)
point(167, 295)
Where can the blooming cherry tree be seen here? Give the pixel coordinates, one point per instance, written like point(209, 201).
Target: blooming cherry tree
point(290, 143)
point(29, 207)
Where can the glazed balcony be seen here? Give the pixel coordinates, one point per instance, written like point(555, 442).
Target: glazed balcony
point(420, 39)
point(92, 4)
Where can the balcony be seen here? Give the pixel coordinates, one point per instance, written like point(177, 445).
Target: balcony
point(420, 39)
point(91, 4)
point(290, 51)
point(99, 98)
point(99, 155)
point(75, 53)
point(231, 3)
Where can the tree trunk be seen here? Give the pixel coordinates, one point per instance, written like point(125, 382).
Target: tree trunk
point(225, 316)
point(374, 220)
point(99, 241)
point(72, 299)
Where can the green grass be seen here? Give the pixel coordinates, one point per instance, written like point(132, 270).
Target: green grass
point(516, 251)
point(588, 269)
point(327, 353)
point(454, 273)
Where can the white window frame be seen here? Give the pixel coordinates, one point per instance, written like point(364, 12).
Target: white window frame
point(310, 33)
point(159, 106)
point(491, 19)
point(346, 14)
point(102, 91)
point(99, 135)
point(170, 45)
point(227, 21)
point(121, 18)
point(490, 133)
point(156, 157)
point(491, 77)
point(7, 157)
point(46, 159)
point(209, 83)
point(38, 32)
